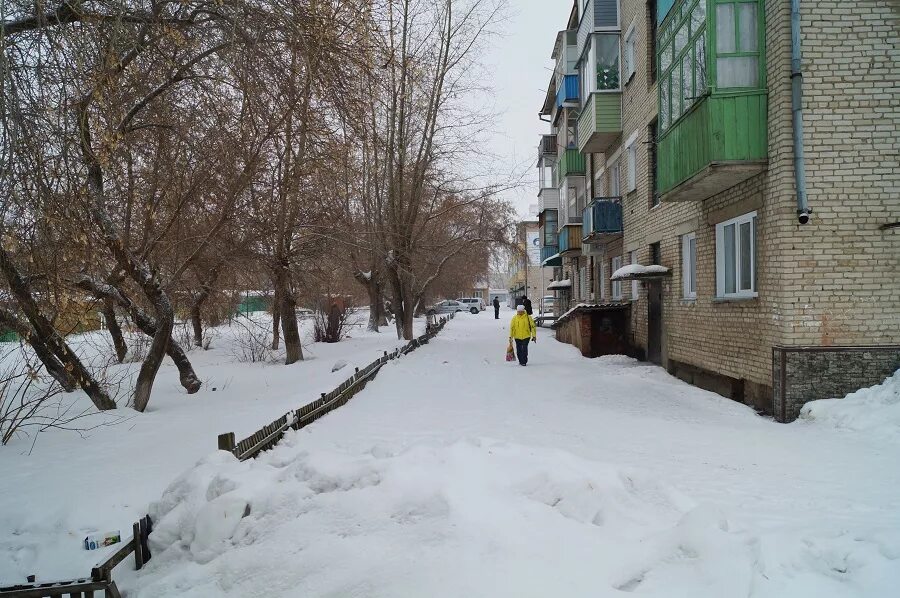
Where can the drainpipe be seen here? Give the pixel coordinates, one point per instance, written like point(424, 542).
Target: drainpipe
point(803, 210)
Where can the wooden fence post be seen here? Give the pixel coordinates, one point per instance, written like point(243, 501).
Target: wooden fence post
point(226, 442)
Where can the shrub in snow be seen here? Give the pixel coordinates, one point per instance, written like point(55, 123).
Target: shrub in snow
point(875, 410)
point(332, 321)
point(253, 341)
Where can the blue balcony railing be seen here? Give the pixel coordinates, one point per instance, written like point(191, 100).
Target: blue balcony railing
point(568, 91)
point(602, 220)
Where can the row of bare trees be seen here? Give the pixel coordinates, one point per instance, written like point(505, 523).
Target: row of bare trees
point(157, 154)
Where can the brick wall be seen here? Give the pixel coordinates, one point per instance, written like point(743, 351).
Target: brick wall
point(800, 375)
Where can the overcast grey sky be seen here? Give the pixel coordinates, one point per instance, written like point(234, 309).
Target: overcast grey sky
point(521, 66)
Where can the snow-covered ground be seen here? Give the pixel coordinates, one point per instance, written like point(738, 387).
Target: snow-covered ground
point(69, 486)
point(457, 474)
point(873, 411)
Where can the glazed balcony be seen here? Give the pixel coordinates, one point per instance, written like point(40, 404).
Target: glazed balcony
point(549, 255)
point(602, 220)
point(713, 101)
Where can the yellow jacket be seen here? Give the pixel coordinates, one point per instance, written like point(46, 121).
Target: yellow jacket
point(522, 326)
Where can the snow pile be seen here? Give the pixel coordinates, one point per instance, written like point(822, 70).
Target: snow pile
point(476, 518)
point(874, 410)
point(638, 270)
point(559, 284)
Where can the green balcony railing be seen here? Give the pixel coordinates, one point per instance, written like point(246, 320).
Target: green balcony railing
point(571, 163)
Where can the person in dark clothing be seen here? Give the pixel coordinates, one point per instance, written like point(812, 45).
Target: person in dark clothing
point(496, 308)
point(527, 303)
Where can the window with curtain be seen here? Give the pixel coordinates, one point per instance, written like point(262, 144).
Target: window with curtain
point(737, 44)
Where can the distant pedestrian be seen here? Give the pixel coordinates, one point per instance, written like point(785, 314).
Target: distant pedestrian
point(527, 303)
point(522, 329)
point(496, 308)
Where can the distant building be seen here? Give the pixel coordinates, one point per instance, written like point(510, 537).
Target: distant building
point(527, 276)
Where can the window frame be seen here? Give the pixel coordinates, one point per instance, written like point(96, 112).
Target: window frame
point(631, 162)
point(689, 266)
point(614, 172)
point(616, 285)
point(629, 54)
point(634, 283)
point(721, 283)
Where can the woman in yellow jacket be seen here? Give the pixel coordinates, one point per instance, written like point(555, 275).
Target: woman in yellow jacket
point(522, 329)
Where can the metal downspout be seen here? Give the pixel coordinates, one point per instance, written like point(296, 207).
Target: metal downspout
point(803, 210)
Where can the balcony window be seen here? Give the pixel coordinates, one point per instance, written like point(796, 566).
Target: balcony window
point(602, 60)
point(630, 57)
point(682, 62)
point(571, 133)
point(737, 45)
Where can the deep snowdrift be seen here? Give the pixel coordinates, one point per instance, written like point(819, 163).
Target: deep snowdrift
point(874, 410)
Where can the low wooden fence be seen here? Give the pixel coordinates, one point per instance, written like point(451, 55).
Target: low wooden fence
point(100, 583)
point(269, 435)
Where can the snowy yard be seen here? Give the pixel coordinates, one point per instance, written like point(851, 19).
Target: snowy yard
point(71, 486)
point(457, 474)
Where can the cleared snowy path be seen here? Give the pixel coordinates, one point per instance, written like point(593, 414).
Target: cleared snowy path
point(457, 474)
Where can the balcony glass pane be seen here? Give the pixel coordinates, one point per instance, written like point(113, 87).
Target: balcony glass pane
point(737, 71)
point(677, 92)
point(664, 102)
point(687, 81)
point(746, 261)
point(747, 22)
point(700, 64)
point(607, 61)
point(666, 58)
point(698, 17)
point(725, 42)
point(730, 279)
point(681, 39)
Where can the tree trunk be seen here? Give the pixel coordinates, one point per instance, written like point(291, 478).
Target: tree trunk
point(293, 348)
point(197, 324)
point(276, 318)
point(112, 325)
point(43, 353)
point(147, 325)
point(376, 306)
point(45, 332)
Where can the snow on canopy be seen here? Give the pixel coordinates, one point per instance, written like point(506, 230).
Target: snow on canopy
point(560, 284)
point(638, 270)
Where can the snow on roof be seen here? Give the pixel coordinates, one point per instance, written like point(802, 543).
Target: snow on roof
point(633, 270)
point(552, 257)
point(560, 284)
point(583, 306)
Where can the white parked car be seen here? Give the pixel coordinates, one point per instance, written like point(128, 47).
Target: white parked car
point(474, 304)
point(447, 307)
